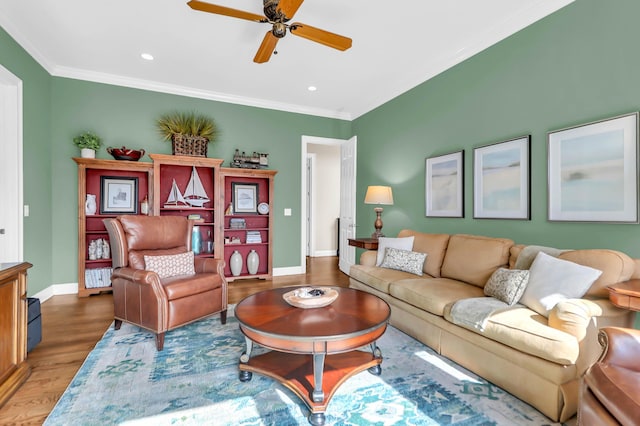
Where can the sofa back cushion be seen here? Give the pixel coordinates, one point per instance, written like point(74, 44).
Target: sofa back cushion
point(472, 258)
point(615, 266)
point(434, 245)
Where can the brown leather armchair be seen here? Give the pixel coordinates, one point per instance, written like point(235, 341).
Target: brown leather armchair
point(610, 390)
point(140, 296)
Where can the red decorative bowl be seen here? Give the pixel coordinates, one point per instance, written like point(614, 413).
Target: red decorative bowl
point(126, 153)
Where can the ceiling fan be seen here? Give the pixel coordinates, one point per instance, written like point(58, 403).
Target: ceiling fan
point(277, 13)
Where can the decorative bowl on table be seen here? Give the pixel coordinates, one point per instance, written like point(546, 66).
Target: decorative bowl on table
point(310, 297)
point(126, 153)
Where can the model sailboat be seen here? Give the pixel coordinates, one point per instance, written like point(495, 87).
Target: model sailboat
point(175, 198)
point(195, 194)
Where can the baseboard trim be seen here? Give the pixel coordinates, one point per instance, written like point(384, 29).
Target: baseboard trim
point(56, 290)
point(291, 270)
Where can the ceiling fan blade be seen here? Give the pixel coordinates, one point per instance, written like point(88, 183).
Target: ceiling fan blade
point(227, 11)
point(289, 7)
point(266, 48)
point(320, 36)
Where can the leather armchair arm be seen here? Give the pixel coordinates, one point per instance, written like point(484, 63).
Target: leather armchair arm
point(209, 265)
point(140, 277)
point(621, 347)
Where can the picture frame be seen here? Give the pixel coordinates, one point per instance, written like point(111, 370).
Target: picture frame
point(245, 197)
point(502, 180)
point(118, 195)
point(444, 185)
point(592, 173)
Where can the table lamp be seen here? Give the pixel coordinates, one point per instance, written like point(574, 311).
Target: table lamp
point(378, 195)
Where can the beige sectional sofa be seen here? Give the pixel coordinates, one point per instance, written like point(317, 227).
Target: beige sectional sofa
point(538, 359)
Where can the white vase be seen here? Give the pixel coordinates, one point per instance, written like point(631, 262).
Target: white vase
point(235, 263)
point(253, 260)
point(90, 205)
point(87, 153)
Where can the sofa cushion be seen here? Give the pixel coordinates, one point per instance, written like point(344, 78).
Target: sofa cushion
point(376, 277)
point(507, 285)
point(552, 280)
point(432, 294)
point(405, 243)
point(615, 266)
point(404, 260)
point(473, 259)
point(529, 253)
point(525, 330)
point(435, 245)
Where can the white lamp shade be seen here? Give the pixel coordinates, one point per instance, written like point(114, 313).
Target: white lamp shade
point(379, 195)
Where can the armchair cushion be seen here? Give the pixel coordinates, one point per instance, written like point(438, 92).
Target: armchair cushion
point(171, 265)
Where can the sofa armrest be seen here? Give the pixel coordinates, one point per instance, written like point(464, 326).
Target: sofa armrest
point(621, 347)
point(369, 258)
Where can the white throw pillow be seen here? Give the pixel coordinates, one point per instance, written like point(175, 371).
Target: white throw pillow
point(405, 243)
point(404, 260)
point(552, 280)
point(171, 265)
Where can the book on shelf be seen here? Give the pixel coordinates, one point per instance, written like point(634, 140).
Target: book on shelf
point(237, 223)
point(98, 277)
point(253, 237)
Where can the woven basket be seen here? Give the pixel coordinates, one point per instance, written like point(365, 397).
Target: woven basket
point(194, 146)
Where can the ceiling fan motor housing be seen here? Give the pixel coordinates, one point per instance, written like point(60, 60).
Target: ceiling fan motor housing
point(279, 29)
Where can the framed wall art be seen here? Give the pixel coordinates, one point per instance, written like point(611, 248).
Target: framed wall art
point(444, 185)
point(245, 197)
point(119, 195)
point(501, 180)
point(593, 171)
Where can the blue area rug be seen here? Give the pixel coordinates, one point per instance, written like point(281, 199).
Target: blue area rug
point(194, 381)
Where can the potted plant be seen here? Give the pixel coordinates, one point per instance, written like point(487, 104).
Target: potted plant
point(190, 133)
point(89, 143)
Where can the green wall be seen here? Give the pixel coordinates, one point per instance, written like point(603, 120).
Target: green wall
point(36, 111)
point(575, 66)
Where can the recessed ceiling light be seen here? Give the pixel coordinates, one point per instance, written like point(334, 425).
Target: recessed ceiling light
point(147, 56)
point(312, 88)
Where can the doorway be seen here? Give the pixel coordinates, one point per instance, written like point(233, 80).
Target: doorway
point(11, 220)
point(344, 187)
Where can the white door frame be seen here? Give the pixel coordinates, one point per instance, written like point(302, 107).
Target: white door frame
point(306, 140)
point(11, 162)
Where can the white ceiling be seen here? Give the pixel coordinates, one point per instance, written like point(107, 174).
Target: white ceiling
point(396, 46)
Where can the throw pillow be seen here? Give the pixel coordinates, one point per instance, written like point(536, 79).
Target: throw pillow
point(405, 243)
point(507, 285)
point(404, 260)
point(171, 265)
point(552, 280)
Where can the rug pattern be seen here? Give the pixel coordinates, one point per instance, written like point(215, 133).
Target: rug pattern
point(194, 381)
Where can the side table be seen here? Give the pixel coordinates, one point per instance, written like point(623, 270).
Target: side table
point(626, 295)
point(364, 243)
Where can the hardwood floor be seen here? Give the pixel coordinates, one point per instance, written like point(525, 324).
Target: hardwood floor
point(71, 326)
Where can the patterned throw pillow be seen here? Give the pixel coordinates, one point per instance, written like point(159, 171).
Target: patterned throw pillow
point(171, 265)
point(404, 260)
point(507, 285)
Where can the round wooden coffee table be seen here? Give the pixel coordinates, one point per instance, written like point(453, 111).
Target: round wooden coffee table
point(313, 351)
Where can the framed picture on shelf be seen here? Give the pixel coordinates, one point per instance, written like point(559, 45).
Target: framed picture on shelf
point(593, 171)
point(245, 197)
point(501, 180)
point(119, 195)
point(444, 185)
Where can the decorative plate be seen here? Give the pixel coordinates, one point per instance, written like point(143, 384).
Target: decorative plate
point(263, 208)
point(311, 297)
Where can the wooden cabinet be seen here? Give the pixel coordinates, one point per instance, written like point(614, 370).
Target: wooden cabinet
point(14, 369)
point(249, 227)
point(94, 176)
point(188, 186)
